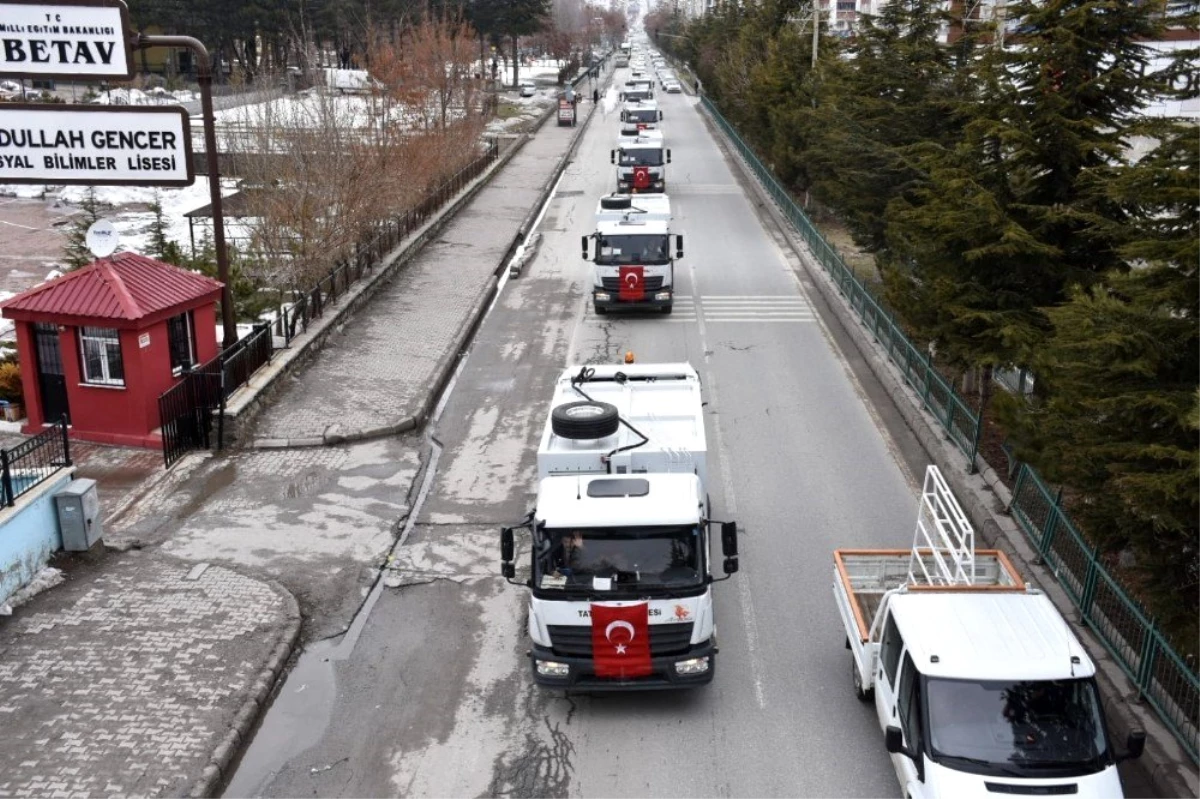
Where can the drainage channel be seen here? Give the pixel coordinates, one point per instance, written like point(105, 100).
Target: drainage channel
point(303, 706)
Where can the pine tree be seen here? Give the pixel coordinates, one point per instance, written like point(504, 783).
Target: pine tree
point(77, 255)
point(1009, 218)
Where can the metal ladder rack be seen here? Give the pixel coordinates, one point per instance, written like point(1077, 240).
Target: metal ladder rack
point(943, 552)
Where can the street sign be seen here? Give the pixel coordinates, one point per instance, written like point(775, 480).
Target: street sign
point(86, 39)
point(95, 145)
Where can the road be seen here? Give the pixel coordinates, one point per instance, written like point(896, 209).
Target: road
point(430, 694)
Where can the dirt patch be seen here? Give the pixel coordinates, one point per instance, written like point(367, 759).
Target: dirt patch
point(861, 262)
point(33, 233)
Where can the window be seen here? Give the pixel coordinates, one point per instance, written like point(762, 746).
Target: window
point(101, 350)
point(909, 705)
point(181, 341)
point(890, 647)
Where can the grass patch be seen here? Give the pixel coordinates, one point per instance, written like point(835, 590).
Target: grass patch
point(861, 262)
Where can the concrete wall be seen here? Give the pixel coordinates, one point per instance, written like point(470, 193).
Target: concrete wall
point(29, 534)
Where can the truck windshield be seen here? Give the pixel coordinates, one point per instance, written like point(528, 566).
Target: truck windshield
point(643, 115)
point(1042, 728)
point(641, 156)
point(634, 558)
point(645, 249)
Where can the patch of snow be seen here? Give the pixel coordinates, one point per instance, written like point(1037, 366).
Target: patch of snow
point(44, 580)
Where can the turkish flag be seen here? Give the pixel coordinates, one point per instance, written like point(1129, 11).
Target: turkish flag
point(641, 177)
point(621, 641)
point(641, 126)
point(633, 283)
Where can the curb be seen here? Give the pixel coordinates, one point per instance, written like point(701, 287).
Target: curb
point(227, 750)
point(986, 499)
point(449, 361)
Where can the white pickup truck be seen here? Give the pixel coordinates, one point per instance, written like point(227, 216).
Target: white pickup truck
point(979, 685)
point(619, 559)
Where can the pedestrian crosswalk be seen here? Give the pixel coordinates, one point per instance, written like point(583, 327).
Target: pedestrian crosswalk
point(732, 309)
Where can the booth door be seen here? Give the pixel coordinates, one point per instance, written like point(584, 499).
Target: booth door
point(51, 378)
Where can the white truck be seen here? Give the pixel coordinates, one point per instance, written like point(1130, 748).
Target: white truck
point(634, 267)
point(638, 89)
point(620, 575)
point(979, 685)
point(641, 162)
point(641, 115)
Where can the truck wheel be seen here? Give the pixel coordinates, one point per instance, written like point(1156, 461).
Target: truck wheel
point(618, 203)
point(584, 420)
point(860, 693)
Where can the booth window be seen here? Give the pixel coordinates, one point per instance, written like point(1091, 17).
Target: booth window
point(101, 348)
point(182, 342)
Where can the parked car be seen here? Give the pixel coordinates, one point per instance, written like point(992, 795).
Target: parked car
point(528, 89)
point(672, 87)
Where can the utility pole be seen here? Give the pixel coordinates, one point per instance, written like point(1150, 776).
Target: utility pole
point(816, 20)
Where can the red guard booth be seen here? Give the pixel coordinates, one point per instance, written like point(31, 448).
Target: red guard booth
point(100, 345)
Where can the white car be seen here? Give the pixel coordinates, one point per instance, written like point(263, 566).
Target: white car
point(672, 87)
point(528, 89)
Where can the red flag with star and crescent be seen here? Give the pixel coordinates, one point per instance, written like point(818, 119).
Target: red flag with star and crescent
point(641, 177)
point(621, 641)
point(633, 283)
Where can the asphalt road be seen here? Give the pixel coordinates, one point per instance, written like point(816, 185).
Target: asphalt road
point(431, 696)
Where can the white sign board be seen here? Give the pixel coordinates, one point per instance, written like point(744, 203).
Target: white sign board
point(95, 145)
point(67, 39)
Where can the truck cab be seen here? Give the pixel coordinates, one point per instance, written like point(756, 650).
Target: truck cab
point(619, 555)
point(641, 162)
point(638, 89)
point(634, 266)
point(978, 684)
point(641, 115)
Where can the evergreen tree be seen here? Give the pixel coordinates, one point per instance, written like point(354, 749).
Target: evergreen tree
point(161, 246)
point(1009, 218)
point(517, 18)
point(77, 254)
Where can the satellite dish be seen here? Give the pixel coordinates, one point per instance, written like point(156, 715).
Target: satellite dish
point(102, 238)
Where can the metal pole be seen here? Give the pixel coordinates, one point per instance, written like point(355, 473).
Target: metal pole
point(204, 77)
point(816, 31)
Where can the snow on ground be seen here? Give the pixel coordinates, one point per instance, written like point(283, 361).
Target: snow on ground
point(123, 96)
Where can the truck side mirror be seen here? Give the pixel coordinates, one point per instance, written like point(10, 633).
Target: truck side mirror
point(584, 241)
point(660, 116)
point(612, 156)
point(506, 544)
point(731, 566)
point(508, 570)
point(668, 156)
point(728, 539)
point(679, 245)
point(893, 739)
point(1135, 744)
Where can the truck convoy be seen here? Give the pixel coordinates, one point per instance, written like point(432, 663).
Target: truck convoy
point(641, 162)
point(641, 115)
point(979, 685)
point(634, 269)
point(619, 556)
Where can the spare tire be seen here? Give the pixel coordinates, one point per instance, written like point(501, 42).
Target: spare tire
point(584, 419)
point(616, 202)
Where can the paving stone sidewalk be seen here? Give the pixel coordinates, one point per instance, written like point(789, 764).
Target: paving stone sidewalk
point(125, 679)
point(379, 369)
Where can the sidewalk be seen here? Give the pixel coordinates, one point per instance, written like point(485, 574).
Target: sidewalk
point(140, 674)
point(374, 377)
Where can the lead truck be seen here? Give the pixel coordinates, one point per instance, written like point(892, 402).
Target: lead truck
point(634, 268)
point(980, 687)
point(619, 555)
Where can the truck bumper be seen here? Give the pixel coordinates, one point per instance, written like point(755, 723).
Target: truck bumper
point(656, 187)
point(581, 675)
point(654, 301)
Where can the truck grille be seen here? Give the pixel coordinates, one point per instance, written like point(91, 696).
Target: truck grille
point(651, 283)
point(665, 639)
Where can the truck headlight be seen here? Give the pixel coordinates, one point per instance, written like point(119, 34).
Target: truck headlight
point(662, 296)
point(603, 296)
point(552, 668)
point(692, 666)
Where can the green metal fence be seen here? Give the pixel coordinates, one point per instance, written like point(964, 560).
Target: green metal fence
point(1166, 681)
point(1162, 677)
point(938, 396)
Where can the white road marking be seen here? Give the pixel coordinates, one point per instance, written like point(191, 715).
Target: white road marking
point(749, 618)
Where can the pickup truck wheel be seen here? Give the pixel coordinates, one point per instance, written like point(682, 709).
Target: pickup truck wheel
point(860, 693)
point(584, 420)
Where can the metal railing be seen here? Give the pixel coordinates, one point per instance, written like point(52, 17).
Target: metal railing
point(33, 460)
point(1161, 675)
point(961, 423)
point(245, 358)
point(293, 318)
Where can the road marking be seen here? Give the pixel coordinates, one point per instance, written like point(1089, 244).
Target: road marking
point(749, 618)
